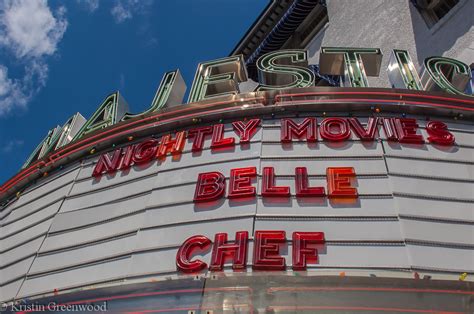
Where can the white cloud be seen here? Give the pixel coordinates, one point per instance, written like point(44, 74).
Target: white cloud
point(30, 32)
point(90, 5)
point(30, 29)
point(125, 9)
point(121, 13)
point(10, 145)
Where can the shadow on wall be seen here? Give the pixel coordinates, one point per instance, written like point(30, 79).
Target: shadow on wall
point(443, 35)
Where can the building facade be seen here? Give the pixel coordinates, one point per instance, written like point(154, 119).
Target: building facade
point(276, 200)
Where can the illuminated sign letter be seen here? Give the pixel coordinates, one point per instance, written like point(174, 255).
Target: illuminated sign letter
point(445, 74)
point(145, 151)
point(217, 78)
point(354, 63)
point(240, 183)
point(268, 185)
point(365, 134)
point(266, 253)
point(218, 140)
point(210, 187)
point(169, 145)
point(245, 130)
point(335, 129)
point(43, 146)
point(106, 164)
point(57, 138)
point(199, 135)
point(222, 250)
point(170, 92)
point(302, 185)
point(302, 254)
point(306, 128)
point(402, 72)
point(110, 112)
point(406, 129)
point(284, 69)
point(339, 182)
point(438, 133)
point(186, 250)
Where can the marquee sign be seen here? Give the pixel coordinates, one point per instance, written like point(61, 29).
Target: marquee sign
point(278, 70)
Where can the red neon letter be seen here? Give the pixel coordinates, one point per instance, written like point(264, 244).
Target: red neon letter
point(365, 134)
point(268, 184)
point(266, 252)
point(218, 139)
point(406, 129)
point(145, 151)
point(127, 157)
point(302, 185)
point(339, 182)
point(185, 251)
point(199, 135)
point(105, 164)
point(306, 128)
point(302, 254)
point(168, 145)
point(210, 187)
point(335, 129)
point(389, 129)
point(223, 250)
point(245, 131)
point(439, 134)
point(240, 182)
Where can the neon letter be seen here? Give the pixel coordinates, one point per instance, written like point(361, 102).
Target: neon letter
point(339, 182)
point(266, 252)
point(217, 78)
point(186, 250)
point(268, 185)
point(330, 125)
point(302, 254)
point(280, 70)
point(199, 135)
point(365, 134)
point(105, 164)
point(302, 185)
point(240, 182)
point(210, 187)
point(218, 139)
point(439, 134)
point(445, 74)
point(237, 251)
point(306, 128)
point(402, 72)
point(246, 130)
point(406, 129)
point(354, 63)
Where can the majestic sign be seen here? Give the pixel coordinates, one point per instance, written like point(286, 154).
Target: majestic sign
point(278, 70)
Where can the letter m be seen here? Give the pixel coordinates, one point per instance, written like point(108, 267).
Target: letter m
point(307, 129)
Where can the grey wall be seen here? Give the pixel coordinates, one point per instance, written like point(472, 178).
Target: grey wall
point(396, 24)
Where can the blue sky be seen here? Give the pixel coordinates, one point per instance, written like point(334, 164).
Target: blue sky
point(62, 57)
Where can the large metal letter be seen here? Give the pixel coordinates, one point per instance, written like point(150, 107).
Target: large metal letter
point(354, 63)
point(284, 69)
point(170, 93)
point(47, 142)
point(445, 74)
point(402, 72)
point(217, 78)
point(110, 112)
point(56, 138)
